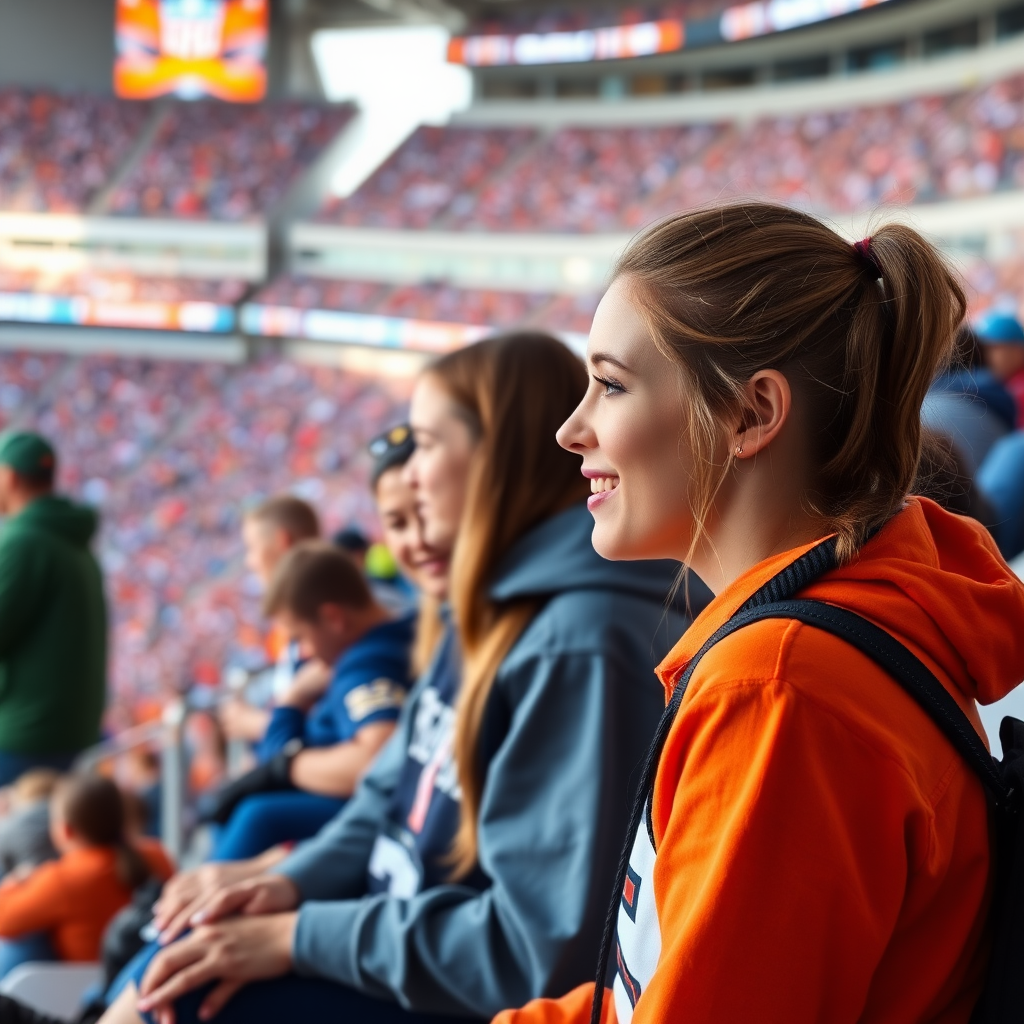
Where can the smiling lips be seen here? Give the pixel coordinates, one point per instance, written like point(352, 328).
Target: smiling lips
point(601, 489)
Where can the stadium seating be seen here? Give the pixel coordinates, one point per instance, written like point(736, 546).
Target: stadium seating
point(171, 452)
point(226, 162)
point(57, 152)
point(436, 168)
point(584, 179)
point(436, 302)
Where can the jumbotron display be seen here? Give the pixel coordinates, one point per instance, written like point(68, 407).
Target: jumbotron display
point(191, 49)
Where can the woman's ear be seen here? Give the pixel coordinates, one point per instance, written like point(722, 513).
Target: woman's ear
point(768, 400)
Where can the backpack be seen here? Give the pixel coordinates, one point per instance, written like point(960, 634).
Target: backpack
point(1002, 999)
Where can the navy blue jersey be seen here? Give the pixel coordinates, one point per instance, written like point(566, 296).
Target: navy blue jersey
point(370, 683)
point(411, 852)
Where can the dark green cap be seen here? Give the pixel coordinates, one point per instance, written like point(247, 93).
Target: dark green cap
point(27, 453)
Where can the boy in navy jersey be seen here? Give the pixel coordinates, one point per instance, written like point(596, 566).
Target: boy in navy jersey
point(319, 743)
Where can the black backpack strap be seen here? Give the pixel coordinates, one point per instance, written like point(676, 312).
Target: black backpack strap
point(908, 670)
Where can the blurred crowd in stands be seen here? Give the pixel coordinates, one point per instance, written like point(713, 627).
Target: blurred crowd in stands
point(171, 453)
point(218, 161)
point(964, 144)
point(226, 162)
point(57, 152)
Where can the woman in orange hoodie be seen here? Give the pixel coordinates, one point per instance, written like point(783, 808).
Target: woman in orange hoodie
point(812, 849)
point(60, 910)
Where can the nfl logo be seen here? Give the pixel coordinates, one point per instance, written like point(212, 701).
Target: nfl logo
point(191, 29)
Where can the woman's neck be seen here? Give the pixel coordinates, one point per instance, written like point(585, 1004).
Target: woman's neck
point(753, 528)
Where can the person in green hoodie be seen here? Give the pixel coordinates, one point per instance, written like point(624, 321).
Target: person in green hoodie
point(53, 616)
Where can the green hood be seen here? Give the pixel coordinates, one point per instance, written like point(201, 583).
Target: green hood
point(74, 523)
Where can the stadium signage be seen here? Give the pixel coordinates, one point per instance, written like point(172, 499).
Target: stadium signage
point(745, 21)
point(85, 311)
point(742, 21)
point(358, 328)
point(640, 40)
point(191, 49)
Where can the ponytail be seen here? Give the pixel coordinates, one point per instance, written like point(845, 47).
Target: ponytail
point(132, 868)
point(94, 809)
point(860, 331)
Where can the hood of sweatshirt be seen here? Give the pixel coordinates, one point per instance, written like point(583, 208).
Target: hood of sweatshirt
point(557, 555)
point(72, 522)
point(933, 579)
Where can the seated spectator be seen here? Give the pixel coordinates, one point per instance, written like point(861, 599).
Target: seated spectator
point(1002, 343)
point(466, 871)
point(968, 404)
point(59, 910)
point(269, 531)
point(319, 743)
point(354, 543)
point(25, 831)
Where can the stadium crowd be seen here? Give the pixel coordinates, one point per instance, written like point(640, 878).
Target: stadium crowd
point(953, 146)
point(57, 152)
point(227, 162)
point(437, 302)
point(171, 453)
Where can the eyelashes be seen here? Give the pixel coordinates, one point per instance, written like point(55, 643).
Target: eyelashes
point(611, 387)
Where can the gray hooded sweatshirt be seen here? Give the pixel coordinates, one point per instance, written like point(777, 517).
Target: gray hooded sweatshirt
point(572, 711)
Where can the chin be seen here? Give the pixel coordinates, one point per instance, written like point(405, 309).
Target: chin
point(608, 545)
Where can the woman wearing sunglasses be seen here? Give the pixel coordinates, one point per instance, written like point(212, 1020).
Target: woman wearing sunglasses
point(469, 871)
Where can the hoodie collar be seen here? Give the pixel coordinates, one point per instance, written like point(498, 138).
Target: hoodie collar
point(557, 555)
point(933, 579)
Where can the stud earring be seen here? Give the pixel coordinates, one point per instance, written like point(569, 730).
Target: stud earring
point(739, 450)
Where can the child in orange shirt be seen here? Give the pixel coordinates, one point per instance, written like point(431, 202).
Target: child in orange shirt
point(812, 849)
point(60, 910)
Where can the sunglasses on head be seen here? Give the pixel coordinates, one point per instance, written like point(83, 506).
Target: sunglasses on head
point(396, 437)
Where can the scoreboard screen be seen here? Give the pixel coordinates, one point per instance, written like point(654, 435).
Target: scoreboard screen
point(191, 49)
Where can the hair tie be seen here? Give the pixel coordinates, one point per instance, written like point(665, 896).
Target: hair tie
point(863, 249)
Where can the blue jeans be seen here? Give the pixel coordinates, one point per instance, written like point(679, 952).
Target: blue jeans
point(266, 819)
point(28, 949)
point(1001, 480)
point(289, 998)
point(13, 766)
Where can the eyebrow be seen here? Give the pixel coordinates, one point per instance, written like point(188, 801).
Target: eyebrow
point(604, 357)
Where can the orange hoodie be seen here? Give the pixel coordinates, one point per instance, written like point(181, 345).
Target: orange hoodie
point(820, 851)
point(74, 898)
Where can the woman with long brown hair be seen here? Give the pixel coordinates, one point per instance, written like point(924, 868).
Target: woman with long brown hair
point(809, 843)
point(468, 872)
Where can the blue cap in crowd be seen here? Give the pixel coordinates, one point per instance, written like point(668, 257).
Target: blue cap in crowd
point(999, 328)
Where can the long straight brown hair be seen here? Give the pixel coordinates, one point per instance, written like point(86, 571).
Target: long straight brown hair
point(514, 391)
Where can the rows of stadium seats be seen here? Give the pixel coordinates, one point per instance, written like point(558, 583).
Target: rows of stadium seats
point(208, 160)
point(444, 303)
point(172, 452)
point(223, 162)
point(57, 152)
point(226, 162)
point(598, 179)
